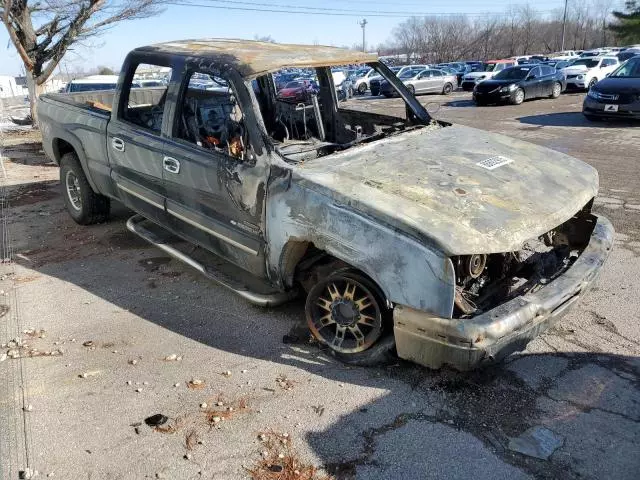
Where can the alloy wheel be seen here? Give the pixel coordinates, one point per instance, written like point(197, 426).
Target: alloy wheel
point(343, 313)
point(73, 190)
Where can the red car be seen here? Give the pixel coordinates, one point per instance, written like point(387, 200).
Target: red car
point(298, 91)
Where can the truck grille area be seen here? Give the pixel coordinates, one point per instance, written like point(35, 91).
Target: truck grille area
point(484, 282)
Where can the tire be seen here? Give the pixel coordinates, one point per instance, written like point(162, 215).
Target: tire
point(412, 89)
point(448, 88)
point(557, 90)
point(592, 82)
point(84, 205)
point(518, 97)
point(343, 302)
point(362, 88)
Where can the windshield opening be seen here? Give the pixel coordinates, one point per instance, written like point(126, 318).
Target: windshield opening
point(301, 118)
point(489, 67)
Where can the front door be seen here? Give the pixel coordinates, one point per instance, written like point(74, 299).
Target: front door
point(134, 140)
point(214, 186)
point(533, 83)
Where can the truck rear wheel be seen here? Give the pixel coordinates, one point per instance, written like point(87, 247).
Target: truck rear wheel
point(84, 205)
point(346, 312)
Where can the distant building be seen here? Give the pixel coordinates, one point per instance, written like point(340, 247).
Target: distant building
point(9, 87)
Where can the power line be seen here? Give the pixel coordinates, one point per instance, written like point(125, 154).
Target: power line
point(323, 11)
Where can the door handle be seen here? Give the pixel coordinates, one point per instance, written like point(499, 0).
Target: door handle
point(117, 144)
point(171, 165)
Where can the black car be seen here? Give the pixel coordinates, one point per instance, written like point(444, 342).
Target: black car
point(374, 83)
point(617, 95)
point(517, 84)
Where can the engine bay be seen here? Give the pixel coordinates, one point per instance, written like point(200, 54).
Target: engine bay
point(485, 281)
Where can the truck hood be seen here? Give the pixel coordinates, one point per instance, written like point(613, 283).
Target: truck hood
point(429, 184)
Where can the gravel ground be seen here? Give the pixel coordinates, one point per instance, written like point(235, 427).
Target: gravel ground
point(115, 312)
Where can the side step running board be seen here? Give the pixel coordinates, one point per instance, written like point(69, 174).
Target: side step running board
point(159, 237)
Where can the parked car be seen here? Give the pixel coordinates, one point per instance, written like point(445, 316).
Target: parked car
point(425, 81)
point(374, 83)
point(298, 91)
point(490, 68)
point(475, 65)
point(627, 54)
point(529, 61)
point(362, 83)
point(558, 64)
point(585, 72)
point(616, 96)
point(93, 83)
point(565, 55)
point(400, 231)
point(516, 84)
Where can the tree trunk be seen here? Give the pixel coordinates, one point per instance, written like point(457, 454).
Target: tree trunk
point(34, 92)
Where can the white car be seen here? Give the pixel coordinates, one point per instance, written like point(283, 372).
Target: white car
point(584, 73)
point(564, 55)
point(490, 69)
point(362, 83)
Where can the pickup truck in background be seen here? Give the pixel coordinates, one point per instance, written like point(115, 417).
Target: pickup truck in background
point(452, 245)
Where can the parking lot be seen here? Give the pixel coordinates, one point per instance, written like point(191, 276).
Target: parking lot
point(131, 333)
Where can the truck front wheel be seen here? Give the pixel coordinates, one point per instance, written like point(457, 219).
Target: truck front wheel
point(346, 312)
point(84, 205)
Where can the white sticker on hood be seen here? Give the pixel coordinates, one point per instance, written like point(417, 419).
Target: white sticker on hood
point(494, 162)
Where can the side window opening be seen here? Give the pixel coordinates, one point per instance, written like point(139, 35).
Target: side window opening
point(209, 116)
point(144, 106)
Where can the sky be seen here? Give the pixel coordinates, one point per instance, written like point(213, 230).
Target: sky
point(181, 22)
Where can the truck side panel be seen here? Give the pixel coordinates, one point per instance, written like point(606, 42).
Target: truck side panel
point(84, 128)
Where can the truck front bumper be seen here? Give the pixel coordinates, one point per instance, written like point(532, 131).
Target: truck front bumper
point(467, 343)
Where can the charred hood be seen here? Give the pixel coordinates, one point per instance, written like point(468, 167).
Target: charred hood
point(460, 189)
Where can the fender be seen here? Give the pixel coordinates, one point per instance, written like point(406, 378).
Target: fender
point(408, 272)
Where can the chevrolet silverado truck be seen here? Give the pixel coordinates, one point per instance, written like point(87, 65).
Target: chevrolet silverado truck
point(451, 245)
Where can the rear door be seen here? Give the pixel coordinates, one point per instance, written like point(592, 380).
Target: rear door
point(134, 136)
point(547, 80)
point(214, 187)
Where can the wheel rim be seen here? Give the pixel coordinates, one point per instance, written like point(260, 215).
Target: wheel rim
point(557, 90)
point(592, 83)
point(73, 190)
point(343, 314)
point(412, 89)
point(519, 96)
point(362, 88)
point(447, 89)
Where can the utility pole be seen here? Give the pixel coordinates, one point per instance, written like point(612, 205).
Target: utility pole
point(363, 24)
point(564, 23)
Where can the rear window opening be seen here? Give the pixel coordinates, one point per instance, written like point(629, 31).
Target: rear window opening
point(309, 113)
point(484, 282)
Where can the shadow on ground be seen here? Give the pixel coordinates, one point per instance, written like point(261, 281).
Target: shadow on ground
point(424, 424)
point(574, 119)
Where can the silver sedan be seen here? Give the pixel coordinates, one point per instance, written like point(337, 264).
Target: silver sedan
point(432, 81)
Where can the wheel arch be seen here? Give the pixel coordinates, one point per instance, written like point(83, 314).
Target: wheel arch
point(61, 145)
point(407, 271)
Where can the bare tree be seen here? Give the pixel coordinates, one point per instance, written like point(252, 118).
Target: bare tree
point(43, 30)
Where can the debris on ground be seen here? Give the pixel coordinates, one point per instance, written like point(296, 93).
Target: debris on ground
point(156, 420)
point(226, 373)
point(196, 384)
point(175, 425)
point(33, 333)
point(88, 343)
point(280, 461)
point(133, 361)
point(93, 373)
point(538, 442)
point(318, 409)
point(191, 439)
point(285, 383)
point(216, 415)
point(174, 357)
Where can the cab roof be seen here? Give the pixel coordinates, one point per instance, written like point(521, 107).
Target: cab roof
point(253, 58)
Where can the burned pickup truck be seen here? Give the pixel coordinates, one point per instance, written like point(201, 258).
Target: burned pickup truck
point(452, 245)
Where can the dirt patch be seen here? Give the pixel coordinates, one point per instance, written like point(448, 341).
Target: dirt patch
point(33, 193)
